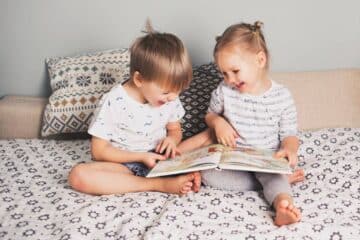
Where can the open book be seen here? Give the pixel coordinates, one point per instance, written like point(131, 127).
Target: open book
point(222, 157)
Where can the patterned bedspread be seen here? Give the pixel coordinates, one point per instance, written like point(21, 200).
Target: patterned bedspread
point(36, 201)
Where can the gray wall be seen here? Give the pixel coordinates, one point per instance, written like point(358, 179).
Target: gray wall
point(301, 35)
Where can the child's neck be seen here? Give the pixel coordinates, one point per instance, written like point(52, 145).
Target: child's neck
point(134, 92)
point(262, 85)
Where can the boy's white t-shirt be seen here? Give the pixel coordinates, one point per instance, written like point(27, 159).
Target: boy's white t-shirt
point(262, 121)
point(131, 125)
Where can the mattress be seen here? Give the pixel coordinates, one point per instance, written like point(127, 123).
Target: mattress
point(36, 201)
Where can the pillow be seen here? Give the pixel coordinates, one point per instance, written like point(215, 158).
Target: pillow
point(196, 98)
point(77, 84)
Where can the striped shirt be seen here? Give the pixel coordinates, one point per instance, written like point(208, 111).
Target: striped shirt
point(262, 121)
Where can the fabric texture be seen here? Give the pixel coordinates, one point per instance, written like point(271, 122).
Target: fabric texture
point(138, 168)
point(36, 201)
point(20, 116)
point(324, 98)
point(130, 125)
point(196, 98)
point(77, 84)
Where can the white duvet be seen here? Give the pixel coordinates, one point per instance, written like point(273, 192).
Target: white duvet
point(36, 201)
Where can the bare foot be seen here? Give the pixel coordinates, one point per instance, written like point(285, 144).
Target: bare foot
point(197, 181)
point(297, 176)
point(286, 212)
point(179, 185)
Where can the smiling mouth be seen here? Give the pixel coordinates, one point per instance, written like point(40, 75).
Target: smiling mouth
point(239, 85)
point(161, 103)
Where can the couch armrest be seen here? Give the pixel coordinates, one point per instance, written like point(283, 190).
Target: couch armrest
point(20, 117)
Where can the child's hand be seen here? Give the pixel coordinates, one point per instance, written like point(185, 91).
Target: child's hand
point(169, 146)
point(149, 159)
point(290, 155)
point(225, 133)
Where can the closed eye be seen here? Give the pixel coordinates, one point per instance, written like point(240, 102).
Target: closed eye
point(236, 71)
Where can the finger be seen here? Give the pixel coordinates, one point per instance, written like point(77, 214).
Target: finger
point(160, 157)
point(229, 141)
point(173, 152)
point(164, 146)
point(158, 147)
point(232, 141)
point(235, 134)
point(168, 152)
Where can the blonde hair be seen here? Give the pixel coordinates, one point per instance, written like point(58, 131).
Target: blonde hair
point(245, 35)
point(162, 58)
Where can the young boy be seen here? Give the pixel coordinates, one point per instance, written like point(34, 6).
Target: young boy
point(137, 123)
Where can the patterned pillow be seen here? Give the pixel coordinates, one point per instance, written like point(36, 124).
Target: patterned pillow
point(77, 83)
point(196, 98)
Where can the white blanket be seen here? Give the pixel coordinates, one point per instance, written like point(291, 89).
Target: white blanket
point(36, 201)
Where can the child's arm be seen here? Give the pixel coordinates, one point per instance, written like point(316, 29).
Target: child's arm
point(225, 133)
point(102, 150)
point(288, 149)
point(173, 138)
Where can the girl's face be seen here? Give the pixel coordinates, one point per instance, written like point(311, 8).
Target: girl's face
point(242, 69)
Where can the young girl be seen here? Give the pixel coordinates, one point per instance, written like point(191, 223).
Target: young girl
point(137, 123)
point(250, 109)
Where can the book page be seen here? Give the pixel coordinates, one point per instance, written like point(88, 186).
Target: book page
point(257, 160)
point(201, 159)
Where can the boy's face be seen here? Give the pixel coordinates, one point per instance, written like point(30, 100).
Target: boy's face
point(155, 95)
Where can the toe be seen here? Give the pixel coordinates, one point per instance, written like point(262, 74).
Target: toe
point(284, 203)
point(290, 207)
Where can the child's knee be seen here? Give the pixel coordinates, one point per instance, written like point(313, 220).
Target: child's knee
point(77, 177)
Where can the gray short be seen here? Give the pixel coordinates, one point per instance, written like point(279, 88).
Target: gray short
point(137, 168)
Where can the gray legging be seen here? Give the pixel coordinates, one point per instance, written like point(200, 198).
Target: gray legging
point(272, 184)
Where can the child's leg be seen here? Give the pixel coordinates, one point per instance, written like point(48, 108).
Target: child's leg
point(110, 178)
point(230, 180)
point(199, 140)
point(277, 192)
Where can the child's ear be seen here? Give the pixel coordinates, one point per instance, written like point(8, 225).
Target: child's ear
point(138, 79)
point(261, 59)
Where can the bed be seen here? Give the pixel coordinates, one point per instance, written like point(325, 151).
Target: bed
point(36, 201)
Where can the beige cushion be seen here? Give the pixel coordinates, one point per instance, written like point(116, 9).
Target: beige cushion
point(325, 98)
point(20, 117)
point(77, 84)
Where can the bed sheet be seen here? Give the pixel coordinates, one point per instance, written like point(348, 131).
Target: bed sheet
point(36, 201)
